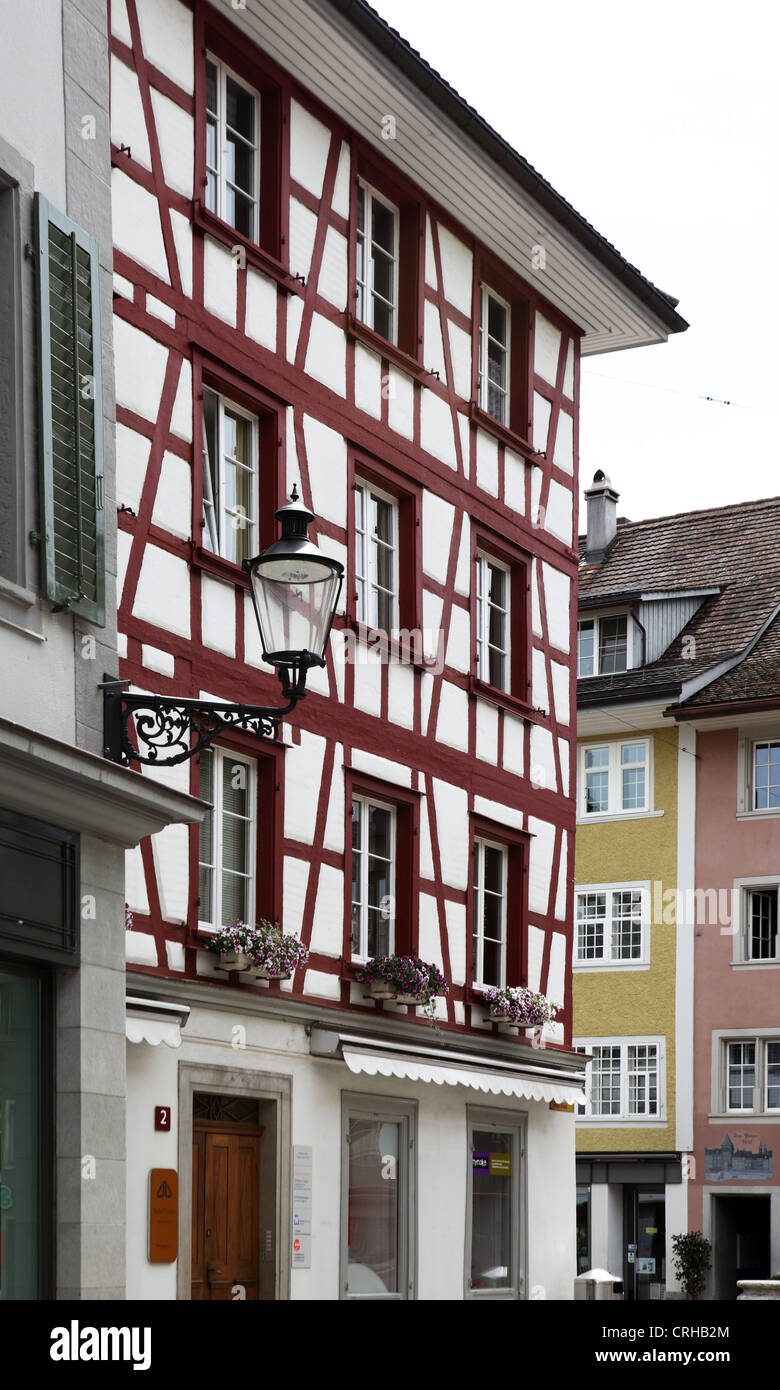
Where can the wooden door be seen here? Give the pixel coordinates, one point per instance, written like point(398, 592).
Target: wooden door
point(225, 1235)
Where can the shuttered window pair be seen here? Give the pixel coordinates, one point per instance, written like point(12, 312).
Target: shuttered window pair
point(71, 415)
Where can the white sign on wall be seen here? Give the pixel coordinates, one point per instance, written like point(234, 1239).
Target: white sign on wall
point(301, 1206)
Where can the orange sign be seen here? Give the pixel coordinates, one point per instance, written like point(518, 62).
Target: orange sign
point(163, 1215)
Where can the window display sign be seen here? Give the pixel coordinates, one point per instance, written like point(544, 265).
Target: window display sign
point(499, 1165)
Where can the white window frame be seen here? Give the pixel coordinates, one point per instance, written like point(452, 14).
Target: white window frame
point(220, 510)
point(615, 810)
point(483, 610)
point(625, 1118)
point(596, 619)
point(741, 927)
point(608, 961)
point(384, 1108)
point(361, 955)
point(481, 842)
point(223, 72)
point(722, 1038)
point(220, 757)
point(367, 316)
point(367, 588)
point(748, 738)
point(486, 294)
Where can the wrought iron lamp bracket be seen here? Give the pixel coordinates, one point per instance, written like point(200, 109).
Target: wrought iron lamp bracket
point(169, 730)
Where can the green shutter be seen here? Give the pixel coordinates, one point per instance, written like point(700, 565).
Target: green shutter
point(71, 415)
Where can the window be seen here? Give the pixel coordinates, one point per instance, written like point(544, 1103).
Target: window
point(602, 645)
point(494, 1225)
point(766, 777)
point(762, 924)
point(227, 838)
point(494, 347)
point(615, 778)
point(377, 1206)
point(373, 879)
point(232, 149)
point(625, 1080)
point(741, 1075)
point(488, 954)
point(755, 921)
point(230, 491)
point(376, 557)
point(746, 1081)
point(493, 622)
point(71, 419)
point(613, 925)
point(497, 905)
point(502, 369)
point(377, 262)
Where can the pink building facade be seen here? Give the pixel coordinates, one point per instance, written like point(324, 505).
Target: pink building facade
point(734, 1179)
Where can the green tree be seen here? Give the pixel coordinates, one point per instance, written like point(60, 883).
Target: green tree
point(692, 1259)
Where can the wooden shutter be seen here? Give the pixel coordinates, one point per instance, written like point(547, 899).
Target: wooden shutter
point(71, 415)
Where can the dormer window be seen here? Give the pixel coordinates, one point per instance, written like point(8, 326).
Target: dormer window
point(602, 645)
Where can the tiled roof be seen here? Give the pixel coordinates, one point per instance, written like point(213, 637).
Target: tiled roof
point(735, 548)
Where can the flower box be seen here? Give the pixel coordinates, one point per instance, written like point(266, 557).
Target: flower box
point(260, 972)
point(263, 952)
point(234, 960)
point(519, 1006)
point(404, 979)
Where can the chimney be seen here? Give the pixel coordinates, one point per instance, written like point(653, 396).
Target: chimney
point(601, 500)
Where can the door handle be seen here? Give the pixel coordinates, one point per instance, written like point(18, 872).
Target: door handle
point(212, 1269)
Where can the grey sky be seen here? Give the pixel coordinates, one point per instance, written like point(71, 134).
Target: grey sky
point(660, 123)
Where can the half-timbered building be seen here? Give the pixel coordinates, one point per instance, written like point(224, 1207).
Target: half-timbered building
point(331, 273)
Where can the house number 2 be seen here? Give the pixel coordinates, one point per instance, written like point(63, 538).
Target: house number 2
point(162, 1117)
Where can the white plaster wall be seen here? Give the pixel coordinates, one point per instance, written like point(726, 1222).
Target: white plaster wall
point(563, 453)
point(220, 279)
point(436, 429)
point(176, 136)
point(326, 452)
point(487, 463)
point(132, 456)
point(309, 145)
point(400, 403)
point(317, 1088)
point(260, 321)
point(173, 502)
point(326, 356)
point(139, 365)
point(303, 773)
point(128, 126)
point(547, 342)
point(218, 615)
point(136, 224)
point(457, 268)
point(303, 229)
point(163, 593)
point(557, 594)
point(368, 381)
point(540, 867)
point(166, 35)
point(559, 513)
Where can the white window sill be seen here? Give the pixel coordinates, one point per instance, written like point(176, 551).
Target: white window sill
point(598, 817)
point(755, 964)
point(759, 815)
point(617, 1122)
point(765, 1117)
point(602, 965)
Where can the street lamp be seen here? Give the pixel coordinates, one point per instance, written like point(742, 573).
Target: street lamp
point(295, 591)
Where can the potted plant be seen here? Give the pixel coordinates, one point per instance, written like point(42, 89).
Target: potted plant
point(406, 979)
point(274, 955)
point(692, 1259)
point(519, 1005)
point(264, 951)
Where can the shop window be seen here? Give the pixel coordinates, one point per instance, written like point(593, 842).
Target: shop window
point(494, 1261)
point(377, 1218)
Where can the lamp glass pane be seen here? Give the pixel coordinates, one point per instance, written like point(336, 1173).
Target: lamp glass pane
point(294, 616)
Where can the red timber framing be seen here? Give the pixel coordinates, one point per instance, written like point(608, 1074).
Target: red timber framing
point(487, 755)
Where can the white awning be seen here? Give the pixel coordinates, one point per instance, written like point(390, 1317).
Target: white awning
point(155, 1021)
point(491, 1075)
